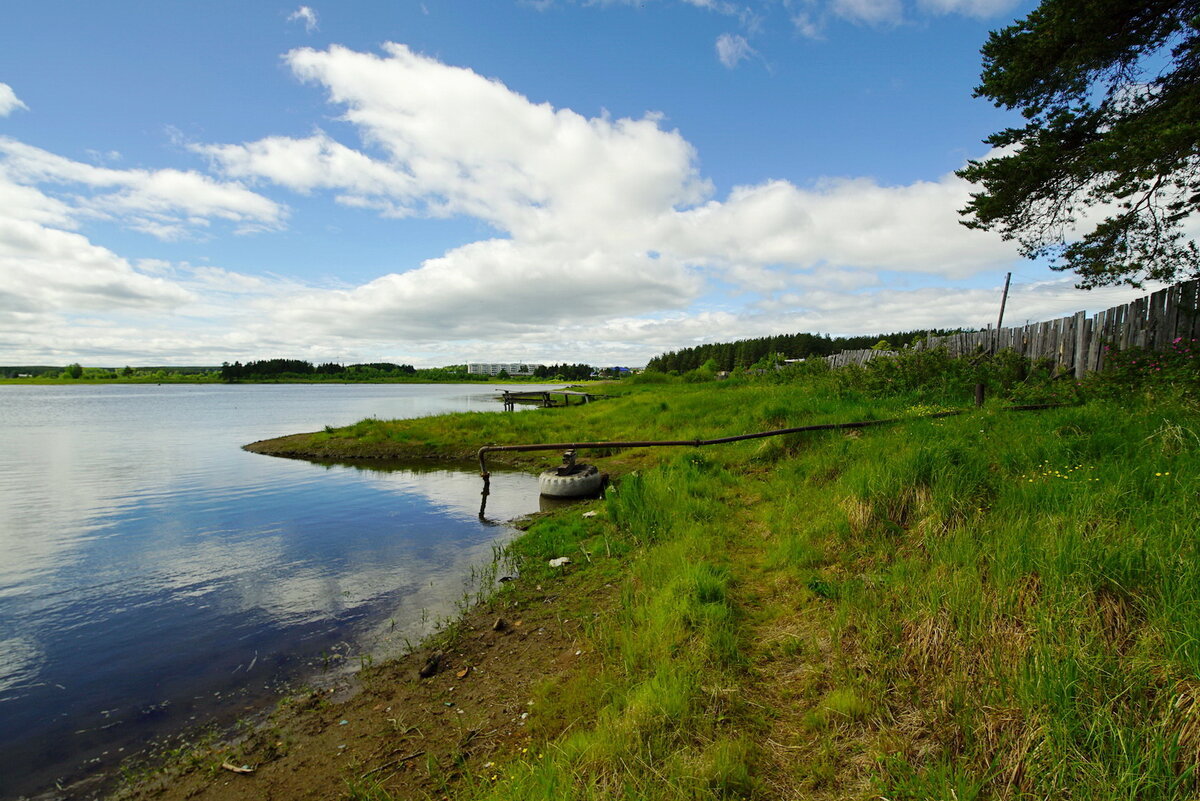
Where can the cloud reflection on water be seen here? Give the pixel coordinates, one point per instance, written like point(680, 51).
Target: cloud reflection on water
point(149, 561)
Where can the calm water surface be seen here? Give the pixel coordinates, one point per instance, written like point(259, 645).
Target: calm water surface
point(153, 574)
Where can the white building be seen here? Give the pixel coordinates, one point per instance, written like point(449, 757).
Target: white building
point(512, 368)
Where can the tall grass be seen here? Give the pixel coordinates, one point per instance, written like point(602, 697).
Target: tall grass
point(1023, 591)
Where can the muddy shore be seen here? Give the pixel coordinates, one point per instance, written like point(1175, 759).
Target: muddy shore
point(453, 709)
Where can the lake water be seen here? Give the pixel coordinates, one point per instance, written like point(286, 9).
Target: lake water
point(153, 575)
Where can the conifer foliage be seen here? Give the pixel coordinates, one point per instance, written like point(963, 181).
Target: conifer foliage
point(1105, 172)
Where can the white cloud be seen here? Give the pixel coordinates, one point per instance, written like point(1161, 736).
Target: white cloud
point(843, 222)
point(25, 203)
point(165, 203)
point(807, 25)
point(810, 18)
point(498, 287)
point(718, 6)
point(9, 102)
point(979, 9)
point(242, 326)
point(306, 15)
point(869, 12)
point(603, 217)
point(303, 165)
point(49, 270)
point(448, 141)
point(65, 298)
point(732, 49)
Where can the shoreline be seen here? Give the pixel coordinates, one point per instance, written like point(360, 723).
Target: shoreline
point(315, 446)
point(462, 698)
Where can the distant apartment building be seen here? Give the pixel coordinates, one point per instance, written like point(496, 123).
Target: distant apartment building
point(512, 368)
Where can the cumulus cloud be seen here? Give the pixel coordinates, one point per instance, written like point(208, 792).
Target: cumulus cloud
point(733, 49)
point(306, 15)
point(600, 215)
point(9, 102)
point(316, 162)
point(61, 294)
point(449, 141)
point(165, 203)
point(854, 223)
point(500, 287)
point(47, 269)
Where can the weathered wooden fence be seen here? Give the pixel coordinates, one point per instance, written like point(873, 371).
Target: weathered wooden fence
point(1077, 342)
point(848, 357)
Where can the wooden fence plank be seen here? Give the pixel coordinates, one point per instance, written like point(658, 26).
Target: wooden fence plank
point(1083, 343)
point(1156, 337)
point(1088, 361)
point(1190, 327)
point(1066, 343)
point(1187, 309)
point(1170, 316)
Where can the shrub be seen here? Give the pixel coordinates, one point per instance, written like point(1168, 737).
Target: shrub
point(934, 376)
point(1176, 369)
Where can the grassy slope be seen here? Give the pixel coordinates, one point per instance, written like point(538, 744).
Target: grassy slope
point(994, 605)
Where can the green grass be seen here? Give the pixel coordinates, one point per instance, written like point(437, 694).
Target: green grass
point(996, 605)
point(1021, 590)
point(630, 412)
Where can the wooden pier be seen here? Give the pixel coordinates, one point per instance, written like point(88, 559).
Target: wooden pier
point(544, 398)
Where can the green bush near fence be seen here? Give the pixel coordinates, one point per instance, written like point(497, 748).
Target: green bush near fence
point(934, 375)
point(1175, 369)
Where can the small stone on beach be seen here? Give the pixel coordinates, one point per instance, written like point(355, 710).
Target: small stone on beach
point(431, 666)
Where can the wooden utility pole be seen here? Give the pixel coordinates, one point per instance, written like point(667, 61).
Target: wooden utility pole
point(1003, 301)
point(1000, 319)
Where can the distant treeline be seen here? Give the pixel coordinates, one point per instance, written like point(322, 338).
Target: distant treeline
point(568, 372)
point(751, 352)
point(77, 371)
point(297, 369)
point(31, 370)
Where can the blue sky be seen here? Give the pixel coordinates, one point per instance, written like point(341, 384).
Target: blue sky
point(439, 182)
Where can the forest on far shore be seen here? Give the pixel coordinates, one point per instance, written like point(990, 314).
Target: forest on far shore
point(764, 351)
